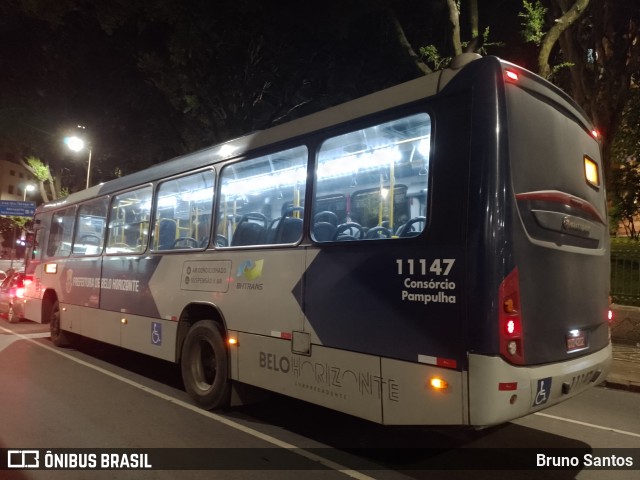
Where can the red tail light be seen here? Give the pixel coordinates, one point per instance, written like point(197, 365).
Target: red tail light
point(20, 292)
point(510, 319)
point(511, 75)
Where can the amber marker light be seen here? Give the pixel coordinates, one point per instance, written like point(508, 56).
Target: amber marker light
point(438, 383)
point(232, 341)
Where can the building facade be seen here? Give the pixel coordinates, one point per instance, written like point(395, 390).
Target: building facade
point(13, 180)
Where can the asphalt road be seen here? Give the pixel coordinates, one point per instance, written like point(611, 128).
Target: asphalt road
point(103, 398)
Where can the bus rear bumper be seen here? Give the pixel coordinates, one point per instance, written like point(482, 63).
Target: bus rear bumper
point(499, 391)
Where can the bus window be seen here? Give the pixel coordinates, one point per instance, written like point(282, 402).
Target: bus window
point(92, 221)
point(129, 221)
point(381, 173)
point(183, 212)
point(263, 200)
point(61, 232)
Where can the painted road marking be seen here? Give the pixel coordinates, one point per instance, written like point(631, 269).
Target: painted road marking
point(213, 416)
point(585, 424)
point(6, 340)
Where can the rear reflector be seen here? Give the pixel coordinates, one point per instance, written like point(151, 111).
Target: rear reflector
point(507, 386)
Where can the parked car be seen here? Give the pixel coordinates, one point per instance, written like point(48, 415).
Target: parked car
point(11, 297)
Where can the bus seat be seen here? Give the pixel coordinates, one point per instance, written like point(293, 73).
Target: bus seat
point(251, 230)
point(412, 228)
point(324, 232)
point(348, 231)
point(326, 216)
point(167, 234)
point(272, 230)
point(289, 230)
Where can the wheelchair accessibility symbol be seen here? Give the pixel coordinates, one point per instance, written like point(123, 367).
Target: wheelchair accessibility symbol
point(543, 391)
point(156, 333)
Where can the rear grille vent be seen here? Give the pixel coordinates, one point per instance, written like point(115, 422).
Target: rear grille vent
point(582, 379)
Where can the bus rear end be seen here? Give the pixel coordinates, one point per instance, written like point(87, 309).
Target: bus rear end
point(549, 262)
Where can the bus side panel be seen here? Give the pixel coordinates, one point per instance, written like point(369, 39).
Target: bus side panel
point(344, 381)
point(384, 300)
point(409, 399)
point(403, 298)
point(124, 285)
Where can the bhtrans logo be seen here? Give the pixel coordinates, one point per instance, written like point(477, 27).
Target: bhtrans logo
point(247, 274)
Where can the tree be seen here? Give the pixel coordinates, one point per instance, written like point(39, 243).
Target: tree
point(626, 195)
point(42, 173)
point(599, 41)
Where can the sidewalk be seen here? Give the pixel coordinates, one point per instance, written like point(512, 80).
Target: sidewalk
point(625, 336)
point(625, 370)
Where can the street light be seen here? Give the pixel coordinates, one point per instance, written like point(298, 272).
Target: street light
point(76, 144)
point(27, 188)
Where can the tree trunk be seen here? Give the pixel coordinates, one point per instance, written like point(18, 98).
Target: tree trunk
point(454, 18)
point(550, 39)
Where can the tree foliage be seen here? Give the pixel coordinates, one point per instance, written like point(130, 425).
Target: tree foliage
point(626, 195)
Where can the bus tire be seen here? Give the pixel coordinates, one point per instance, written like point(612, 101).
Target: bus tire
point(205, 366)
point(11, 315)
point(59, 337)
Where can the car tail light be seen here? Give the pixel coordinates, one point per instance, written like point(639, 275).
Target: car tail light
point(19, 292)
point(510, 319)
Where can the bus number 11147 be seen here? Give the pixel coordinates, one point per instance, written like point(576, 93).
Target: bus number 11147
point(438, 266)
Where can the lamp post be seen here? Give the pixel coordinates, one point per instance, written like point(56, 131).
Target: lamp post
point(76, 144)
point(27, 188)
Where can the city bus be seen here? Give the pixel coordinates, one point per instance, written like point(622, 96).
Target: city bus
point(435, 253)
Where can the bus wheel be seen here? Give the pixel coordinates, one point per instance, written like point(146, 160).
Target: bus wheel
point(59, 337)
point(205, 366)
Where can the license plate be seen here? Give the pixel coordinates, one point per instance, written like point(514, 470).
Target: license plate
point(576, 340)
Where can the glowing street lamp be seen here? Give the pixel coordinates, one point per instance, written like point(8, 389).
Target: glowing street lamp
point(27, 188)
point(76, 144)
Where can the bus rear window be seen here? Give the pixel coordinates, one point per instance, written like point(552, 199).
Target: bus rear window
point(380, 175)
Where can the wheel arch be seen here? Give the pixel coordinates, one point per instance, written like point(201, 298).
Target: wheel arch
point(193, 313)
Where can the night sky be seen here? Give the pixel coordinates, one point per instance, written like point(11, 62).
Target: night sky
point(157, 79)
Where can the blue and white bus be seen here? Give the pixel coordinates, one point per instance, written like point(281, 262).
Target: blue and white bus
point(433, 253)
